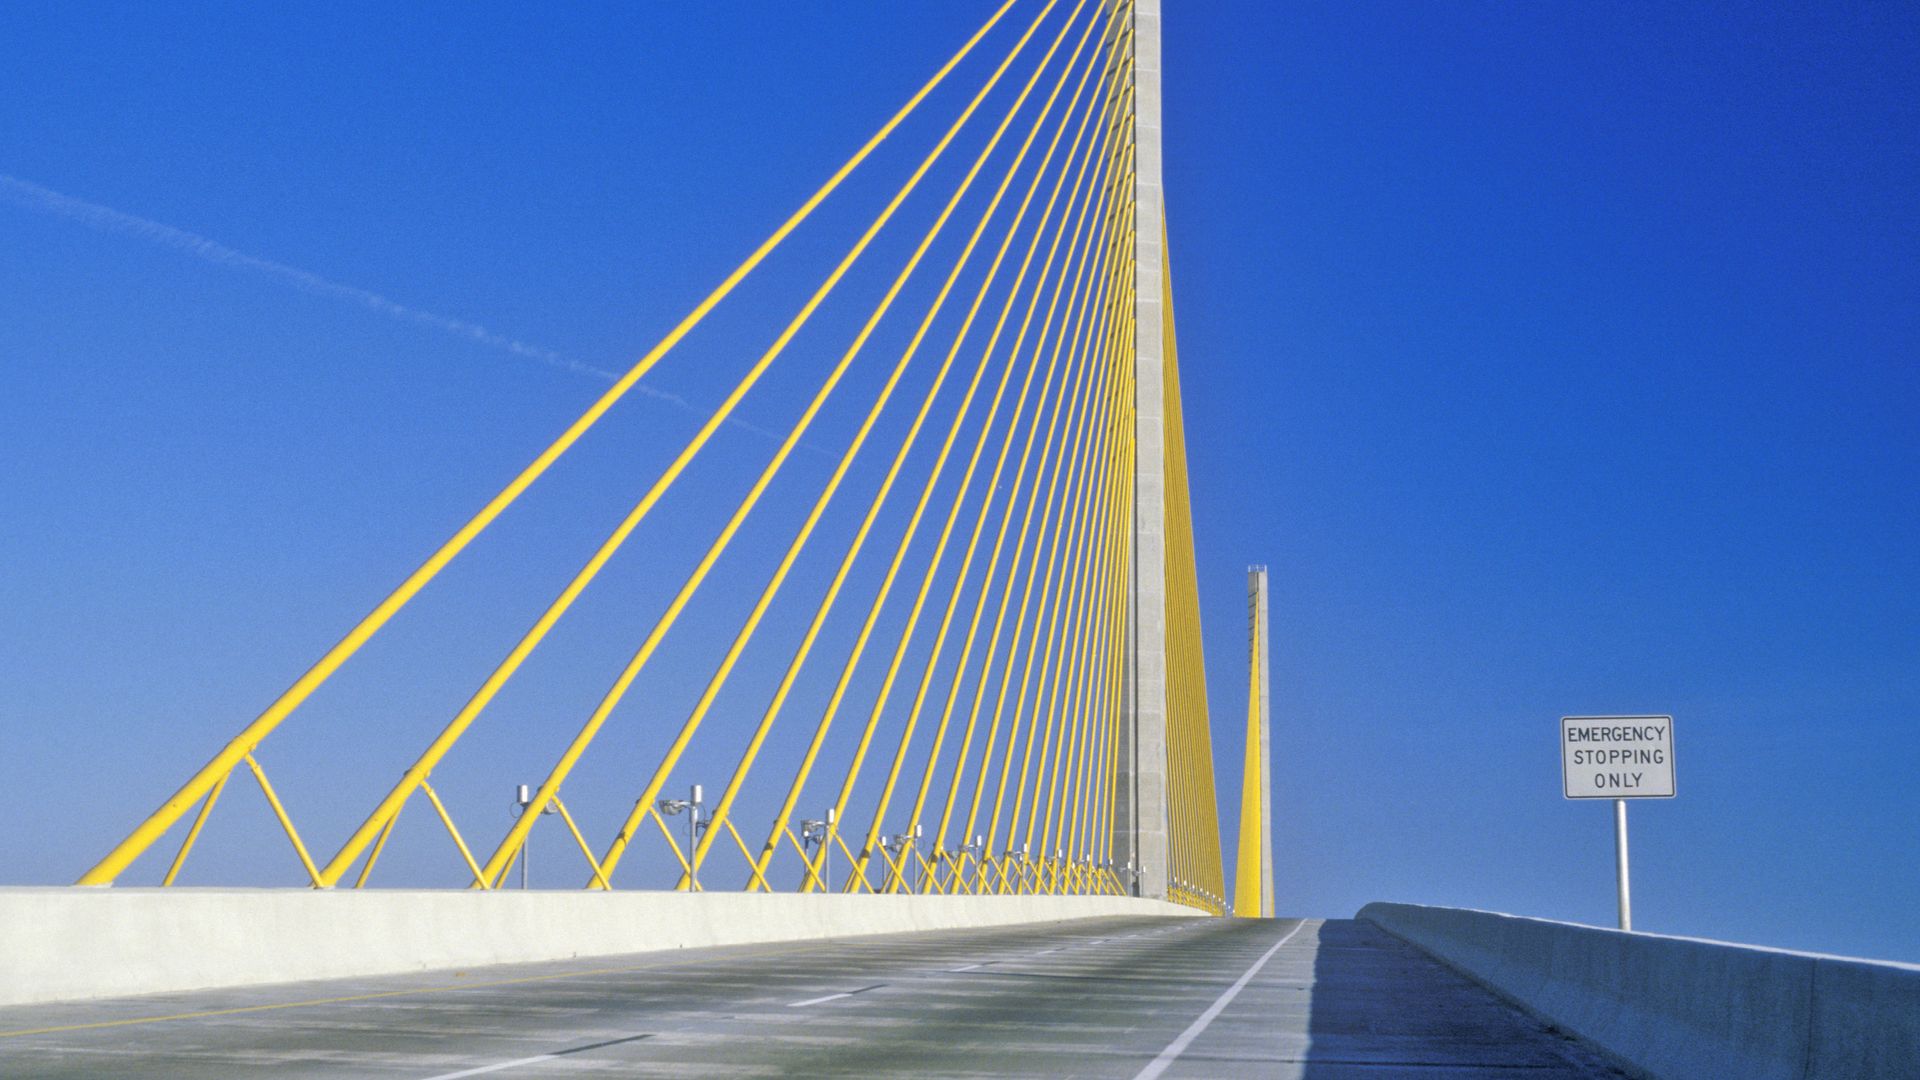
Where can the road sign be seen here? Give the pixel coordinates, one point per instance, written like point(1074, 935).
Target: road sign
point(1616, 757)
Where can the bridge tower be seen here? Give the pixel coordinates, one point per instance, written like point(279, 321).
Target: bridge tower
point(1143, 820)
point(1253, 871)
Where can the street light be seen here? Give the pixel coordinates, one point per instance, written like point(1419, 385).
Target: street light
point(903, 843)
point(523, 798)
point(696, 824)
point(820, 832)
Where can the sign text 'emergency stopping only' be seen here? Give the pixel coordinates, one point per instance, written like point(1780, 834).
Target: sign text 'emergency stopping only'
point(1616, 757)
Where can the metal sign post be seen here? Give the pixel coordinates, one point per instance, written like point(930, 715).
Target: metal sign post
point(1618, 758)
point(1620, 863)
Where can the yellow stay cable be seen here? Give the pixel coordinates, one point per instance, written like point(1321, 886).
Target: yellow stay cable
point(1085, 703)
point(1059, 564)
point(718, 681)
point(624, 836)
point(1101, 842)
point(1200, 848)
point(918, 337)
point(897, 764)
point(1097, 705)
point(498, 679)
point(912, 619)
point(991, 573)
point(1084, 402)
point(800, 778)
point(945, 537)
point(1206, 833)
point(1014, 574)
point(1072, 716)
point(1117, 648)
point(1071, 640)
point(1056, 473)
point(156, 824)
point(1123, 599)
point(1072, 595)
point(1044, 615)
point(760, 734)
point(1105, 703)
point(516, 835)
point(1124, 462)
point(859, 647)
point(986, 590)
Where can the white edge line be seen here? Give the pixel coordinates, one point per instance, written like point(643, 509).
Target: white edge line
point(1177, 1046)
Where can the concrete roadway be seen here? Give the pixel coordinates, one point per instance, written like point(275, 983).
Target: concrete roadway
point(1128, 998)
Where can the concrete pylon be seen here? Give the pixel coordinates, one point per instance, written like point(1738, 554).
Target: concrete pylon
point(1141, 822)
point(1253, 870)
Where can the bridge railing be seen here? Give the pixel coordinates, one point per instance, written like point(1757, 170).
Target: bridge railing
point(1684, 1007)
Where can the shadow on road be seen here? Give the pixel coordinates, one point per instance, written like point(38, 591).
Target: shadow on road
point(1378, 1003)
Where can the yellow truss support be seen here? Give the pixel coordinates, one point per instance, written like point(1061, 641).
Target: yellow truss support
point(286, 822)
point(366, 869)
point(453, 831)
point(193, 832)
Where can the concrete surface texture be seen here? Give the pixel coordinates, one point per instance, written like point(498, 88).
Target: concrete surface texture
point(1118, 997)
point(61, 944)
point(1682, 1007)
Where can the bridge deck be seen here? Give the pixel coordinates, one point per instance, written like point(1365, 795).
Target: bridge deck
point(1112, 997)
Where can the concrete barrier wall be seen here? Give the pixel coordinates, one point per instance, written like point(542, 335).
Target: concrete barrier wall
point(60, 944)
point(1676, 1008)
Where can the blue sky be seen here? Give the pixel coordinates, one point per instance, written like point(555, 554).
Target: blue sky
point(1557, 360)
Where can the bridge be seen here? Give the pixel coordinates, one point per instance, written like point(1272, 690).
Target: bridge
point(911, 768)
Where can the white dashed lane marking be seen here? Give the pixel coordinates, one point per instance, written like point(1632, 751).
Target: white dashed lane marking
point(832, 997)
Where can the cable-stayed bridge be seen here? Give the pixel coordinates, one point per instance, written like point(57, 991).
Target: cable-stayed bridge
point(922, 659)
point(1040, 723)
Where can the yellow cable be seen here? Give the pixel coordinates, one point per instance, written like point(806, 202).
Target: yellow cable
point(724, 807)
point(1050, 616)
point(985, 677)
point(1063, 636)
point(625, 832)
point(993, 484)
point(1027, 594)
point(946, 533)
point(1091, 842)
point(1047, 615)
point(812, 752)
point(1090, 393)
point(865, 633)
point(1061, 707)
point(1088, 707)
point(993, 560)
point(1118, 678)
point(156, 824)
point(557, 775)
point(742, 638)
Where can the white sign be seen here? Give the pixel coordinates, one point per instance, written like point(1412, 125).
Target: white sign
point(1616, 757)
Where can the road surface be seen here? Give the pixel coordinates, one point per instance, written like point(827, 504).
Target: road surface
point(1125, 998)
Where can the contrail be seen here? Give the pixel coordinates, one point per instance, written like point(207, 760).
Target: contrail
point(108, 220)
